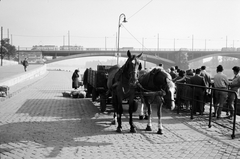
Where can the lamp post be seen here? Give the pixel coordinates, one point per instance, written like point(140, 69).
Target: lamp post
point(119, 25)
point(226, 41)
point(1, 40)
point(142, 44)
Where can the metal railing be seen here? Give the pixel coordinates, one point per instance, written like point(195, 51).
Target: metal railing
point(112, 49)
point(192, 106)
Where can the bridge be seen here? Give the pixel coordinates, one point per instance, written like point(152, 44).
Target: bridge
point(168, 58)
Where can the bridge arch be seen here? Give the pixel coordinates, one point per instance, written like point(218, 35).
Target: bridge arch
point(228, 54)
point(149, 58)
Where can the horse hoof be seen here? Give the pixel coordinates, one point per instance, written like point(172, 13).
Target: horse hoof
point(159, 131)
point(140, 117)
point(146, 117)
point(119, 130)
point(148, 128)
point(133, 130)
point(113, 122)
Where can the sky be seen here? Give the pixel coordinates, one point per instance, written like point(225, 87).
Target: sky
point(151, 24)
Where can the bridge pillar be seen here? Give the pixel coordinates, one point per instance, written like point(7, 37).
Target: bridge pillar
point(181, 59)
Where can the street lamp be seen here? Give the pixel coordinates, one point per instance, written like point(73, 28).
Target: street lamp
point(119, 25)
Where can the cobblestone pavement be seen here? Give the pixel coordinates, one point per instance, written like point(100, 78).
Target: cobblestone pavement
point(37, 122)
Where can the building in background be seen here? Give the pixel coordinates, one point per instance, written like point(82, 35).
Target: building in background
point(72, 48)
point(44, 47)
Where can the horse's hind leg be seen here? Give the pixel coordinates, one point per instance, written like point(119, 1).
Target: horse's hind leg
point(149, 125)
point(114, 121)
point(159, 112)
point(114, 118)
point(141, 112)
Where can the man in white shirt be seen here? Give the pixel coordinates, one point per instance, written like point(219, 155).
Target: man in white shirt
point(220, 82)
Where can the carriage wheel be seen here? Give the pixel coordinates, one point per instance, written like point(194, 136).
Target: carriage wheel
point(88, 93)
point(102, 102)
point(94, 94)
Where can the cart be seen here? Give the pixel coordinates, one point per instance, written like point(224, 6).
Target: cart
point(97, 84)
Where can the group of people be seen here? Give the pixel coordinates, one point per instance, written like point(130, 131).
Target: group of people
point(202, 78)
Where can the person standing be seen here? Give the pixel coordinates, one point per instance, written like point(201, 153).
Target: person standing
point(25, 64)
point(207, 78)
point(206, 75)
point(75, 79)
point(221, 82)
point(234, 86)
point(172, 73)
point(198, 105)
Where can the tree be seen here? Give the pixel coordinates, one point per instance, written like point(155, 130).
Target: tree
point(182, 60)
point(8, 49)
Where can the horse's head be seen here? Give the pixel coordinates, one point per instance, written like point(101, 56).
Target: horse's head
point(131, 67)
point(164, 81)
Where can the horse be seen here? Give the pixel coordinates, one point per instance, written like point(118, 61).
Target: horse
point(122, 83)
point(156, 87)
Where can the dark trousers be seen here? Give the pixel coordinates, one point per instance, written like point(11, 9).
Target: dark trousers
point(198, 103)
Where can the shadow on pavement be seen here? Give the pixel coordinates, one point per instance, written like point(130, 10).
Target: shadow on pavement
point(55, 123)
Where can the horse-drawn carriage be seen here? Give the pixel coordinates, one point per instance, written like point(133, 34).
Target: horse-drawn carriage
point(150, 87)
point(95, 82)
point(124, 84)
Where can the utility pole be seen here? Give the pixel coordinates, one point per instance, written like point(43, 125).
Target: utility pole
point(1, 46)
point(226, 41)
point(68, 40)
point(105, 43)
point(158, 42)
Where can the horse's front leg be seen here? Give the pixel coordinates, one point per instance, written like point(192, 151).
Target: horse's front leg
point(130, 110)
point(149, 125)
point(114, 104)
point(119, 115)
point(159, 113)
point(114, 121)
point(141, 111)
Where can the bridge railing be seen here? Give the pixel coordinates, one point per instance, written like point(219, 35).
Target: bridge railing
point(187, 92)
point(113, 49)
